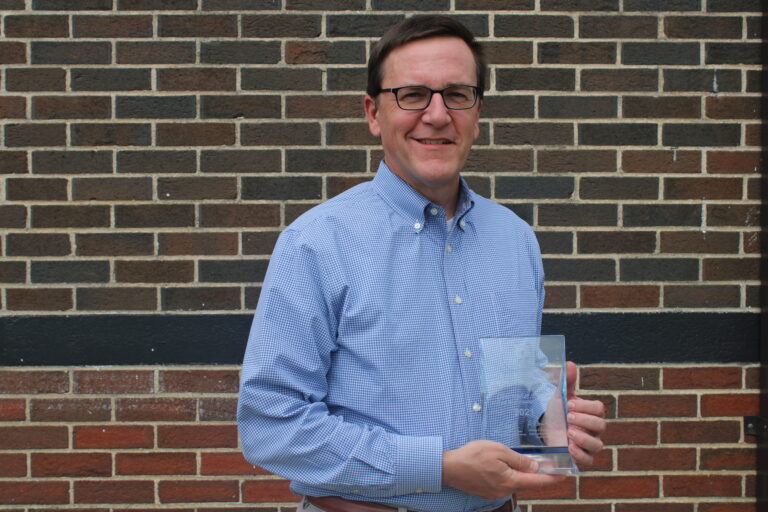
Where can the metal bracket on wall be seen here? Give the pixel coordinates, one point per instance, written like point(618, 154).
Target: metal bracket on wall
point(756, 426)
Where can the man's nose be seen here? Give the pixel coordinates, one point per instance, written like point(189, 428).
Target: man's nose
point(436, 111)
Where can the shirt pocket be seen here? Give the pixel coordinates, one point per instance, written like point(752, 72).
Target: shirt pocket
point(516, 312)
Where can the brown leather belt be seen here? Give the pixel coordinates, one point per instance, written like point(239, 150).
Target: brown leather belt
point(337, 504)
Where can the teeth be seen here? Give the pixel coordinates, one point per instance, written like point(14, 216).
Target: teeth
point(427, 141)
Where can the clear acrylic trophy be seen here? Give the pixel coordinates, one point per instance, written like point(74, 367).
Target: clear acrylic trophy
point(524, 393)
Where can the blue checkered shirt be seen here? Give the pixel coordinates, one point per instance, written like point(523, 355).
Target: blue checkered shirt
point(363, 360)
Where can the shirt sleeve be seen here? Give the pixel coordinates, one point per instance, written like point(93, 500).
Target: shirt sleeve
point(284, 423)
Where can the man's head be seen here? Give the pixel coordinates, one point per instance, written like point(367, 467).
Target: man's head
point(427, 131)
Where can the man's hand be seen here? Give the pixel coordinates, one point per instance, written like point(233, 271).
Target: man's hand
point(491, 470)
point(586, 423)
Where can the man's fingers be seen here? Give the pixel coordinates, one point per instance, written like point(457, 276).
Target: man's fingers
point(585, 441)
point(593, 407)
point(519, 462)
point(570, 378)
point(535, 480)
point(588, 422)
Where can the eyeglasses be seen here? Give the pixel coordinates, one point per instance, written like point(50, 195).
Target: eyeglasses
point(418, 97)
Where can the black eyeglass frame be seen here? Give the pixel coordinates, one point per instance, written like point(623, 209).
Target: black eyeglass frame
point(394, 90)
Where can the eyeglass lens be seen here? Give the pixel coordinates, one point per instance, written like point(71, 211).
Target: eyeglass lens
point(417, 98)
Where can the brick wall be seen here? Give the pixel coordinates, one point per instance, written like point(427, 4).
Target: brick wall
point(152, 150)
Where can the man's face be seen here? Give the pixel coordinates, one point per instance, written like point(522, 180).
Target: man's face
point(426, 148)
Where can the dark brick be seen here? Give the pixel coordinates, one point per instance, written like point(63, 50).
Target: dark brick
point(39, 299)
point(535, 79)
point(508, 52)
point(66, 52)
point(259, 242)
point(114, 244)
point(580, 270)
point(196, 188)
point(13, 53)
point(13, 271)
point(626, 79)
point(240, 161)
point(37, 134)
point(197, 79)
point(661, 161)
point(13, 162)
point(602, 242)
point(701, 134)
point(240, 52)
point(239, 215)
point(735, 108)
point(232, 271)
point(36, 189)
point(70, 216)
point(200, 299)
point(111, 189)
point(734, 162)
point(37, 244)
point(508, 105)
point(705, 80)
point(281, 25)
point(577, 53)
point(13, 216)
point(499, 160)
point(69, 271)
point(359, 25)
point(661, 107)
point(533, 134)
point(659, 269)
point(156, 162)
point(240, 106)
point(756, 27)
point(153, 271)
point(557, 297)
point(66, 5)
point(319, 5)
point(735, 5)
point(35, 79)
point(702, 188)
point(12, 5)
point(495, 5)
point(734, 53)
point(658, 54)
point(155, 52)
point(156, 107)
point(325, 160)
point(72, 410)
point(349, 134)
point(702, 27)
point(577, 215)
point(619, 296)
point(122, 79)
point(37, 26)
point(154, 215)
point(323, 106)
point(13, 107)
point(283, 79)
point(618, 27)
point(733, 215)
point(618, 134)
point(697, 242)
point(197, 25)
point(509, 187)
point(699, 296)
point(527, 25)
point(662, 5)
point(577, 107)
point(282, 188)
point(68, 107)
point(578, 160)
point(411, 5)
point(195, 134)
point(642, 215)
point(619, 188)
point(323, 52)
point(182, 244)
point(112, 26)
point(335, 185)
point(579, 5)
point(731, 269)
point(110, 134)
point(555, 242)
point(157, 5)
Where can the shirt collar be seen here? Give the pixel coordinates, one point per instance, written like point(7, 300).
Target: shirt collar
point(409, 202)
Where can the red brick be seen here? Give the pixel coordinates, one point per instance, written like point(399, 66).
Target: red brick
point(34, 493)
point(650, 406)
point(13, 53)
point(729, 107)
point(657, 459)
point(13, 465)
point(37, 26)
point(31, 382)
point(199, 381)
point(112, 26)
point(561, 490)
point(197, 25)
point(239, 215)
point(661, 161)
point(71, 410)
point(113, 381)
point(113, 436)
point(198, 491)
point(35, 134)
point(173, 463)
point(116, 299)
point(156, 409)
point(13, 162)
point(702, 485)
point(197, 436)
point(619, 296)
point(699, 431)
point(154, 271)
point(196, 188)
point(709, 377)
point(619, 487)
point(218, 409)
point(13, 216)
point(111, 189)
point(71, 464)
point(258, 491)
point(177, 244)
point(734, 162)
point(703, 188)
point(21, 438)
point(13, 410)
point(630, 432)
point(114, 491)
point(71, 107)
point(229, 463)
point(696, 242)
point(70, 216)
point(740, 215)
point(13, 107)
point(559, 297)
point(39, 299)
point(195, 134)
point(729, 458)
point(657, 507)
point(730, 404)
point(602, 461)
point(728, 507)
point(731, 269)
point(636, 379)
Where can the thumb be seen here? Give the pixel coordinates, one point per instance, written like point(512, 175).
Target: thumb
point(570, 377)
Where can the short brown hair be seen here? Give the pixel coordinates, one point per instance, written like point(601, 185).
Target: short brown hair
point(422, 27)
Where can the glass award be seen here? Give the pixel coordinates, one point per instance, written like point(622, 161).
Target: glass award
point(524, 398)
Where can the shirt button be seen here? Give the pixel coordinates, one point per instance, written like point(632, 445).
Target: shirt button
point(467, 353)
point(477, 407)
point(417, 225)
point(418, 491)
point(449, 248)
point(433, 211)
point(457, 300)
point(463, 224)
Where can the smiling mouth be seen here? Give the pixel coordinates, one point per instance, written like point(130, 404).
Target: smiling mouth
point(434, 141)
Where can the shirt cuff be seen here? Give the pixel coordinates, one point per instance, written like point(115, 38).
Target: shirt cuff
point(419, 463)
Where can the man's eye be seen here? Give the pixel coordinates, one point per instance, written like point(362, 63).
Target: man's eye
point(458, 94)
point(412, 95)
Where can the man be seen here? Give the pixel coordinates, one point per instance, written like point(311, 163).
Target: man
point(361, 380)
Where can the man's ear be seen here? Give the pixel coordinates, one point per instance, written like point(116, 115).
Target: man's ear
point(371, 111)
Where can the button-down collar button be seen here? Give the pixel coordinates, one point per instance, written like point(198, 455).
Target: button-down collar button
point(417, 225)
point(418, 491)
point(468, 353)
point(457, 300)
point(463, 224)
point(433, 211)
point(448, 248)
point(477, 407)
